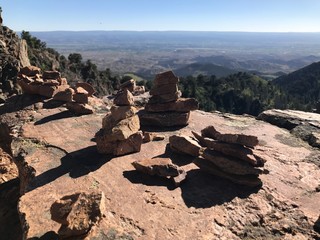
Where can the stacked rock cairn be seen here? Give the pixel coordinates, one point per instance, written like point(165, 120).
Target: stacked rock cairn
point(230, 156)
point(166, 108)
point(50, 84)
point(120, 133)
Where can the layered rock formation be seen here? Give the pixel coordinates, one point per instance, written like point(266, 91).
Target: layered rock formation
point(166, 108)
point(13, 56)
point(120, 128)
point(231, 156)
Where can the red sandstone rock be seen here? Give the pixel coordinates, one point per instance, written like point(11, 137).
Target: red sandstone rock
point(30, 71)
point(79, 108)
point(129, 85)
point(185, 145)
point(51, 75)
point(165, 78)
point(65, 96)
point(90, 90)
point(181, 105)
point(171, 97)
point(80, 97)
point(249, 180)
point(130, 145)
point(242, 139)
point(78, 213)
point(51, 82)
point(124, 98)
point(148, 137)
point(164, 89)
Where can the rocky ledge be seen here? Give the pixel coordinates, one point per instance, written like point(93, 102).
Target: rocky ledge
point(62, 175)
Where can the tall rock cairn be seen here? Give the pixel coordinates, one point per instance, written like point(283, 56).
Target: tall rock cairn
point(166, 108)
point(120, 133)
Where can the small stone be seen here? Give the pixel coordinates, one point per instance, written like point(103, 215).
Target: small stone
point(130, 145)
point(148, 137)
point(180, 178)
point(129, 85)
point(124, 98)
point(80, 97)
point(172, 97)
point(81, 90)
point(79, 108)
point(87, 87)
point(65, 96)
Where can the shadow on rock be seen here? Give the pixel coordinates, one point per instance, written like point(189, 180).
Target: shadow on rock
point(178, 159)
point(316, 226)
point(203, 190)
point(137, 177)
point(77, 164)
point(48, 236)
point(57, 116)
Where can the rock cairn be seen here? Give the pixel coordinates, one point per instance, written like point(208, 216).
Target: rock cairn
point(166, 108)
point(231, 156)
point(132, 86)
point(120, 133)
point(50, 84)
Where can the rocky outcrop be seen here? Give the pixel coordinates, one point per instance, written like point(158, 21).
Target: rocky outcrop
point(165, 108)
point(304, 125)
point(13, 56)
point(120, 128)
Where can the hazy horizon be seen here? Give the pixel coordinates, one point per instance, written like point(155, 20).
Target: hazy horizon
point(271, 16)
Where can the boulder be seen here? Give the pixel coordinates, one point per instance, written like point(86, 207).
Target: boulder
point(185, 145)
point(79, 108)
point(242, 139)
point(165, 78)
point(181, 105)
point(78, 213)
point(51, 75)
point(124, 98)
point(165, 119)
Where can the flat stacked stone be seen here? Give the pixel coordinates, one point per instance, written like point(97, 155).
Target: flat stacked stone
point(166, 108)
point(230, 156)
point(120, 133)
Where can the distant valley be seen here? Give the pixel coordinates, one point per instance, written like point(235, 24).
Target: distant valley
point(190, 53)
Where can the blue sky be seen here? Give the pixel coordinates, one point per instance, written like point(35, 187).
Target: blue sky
point(159, 15)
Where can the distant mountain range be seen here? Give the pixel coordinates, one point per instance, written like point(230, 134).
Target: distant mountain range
point(218, 53)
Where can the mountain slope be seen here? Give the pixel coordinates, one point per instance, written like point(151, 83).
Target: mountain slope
point(303, 84)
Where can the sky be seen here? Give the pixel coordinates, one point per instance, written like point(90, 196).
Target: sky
point(163, 15)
